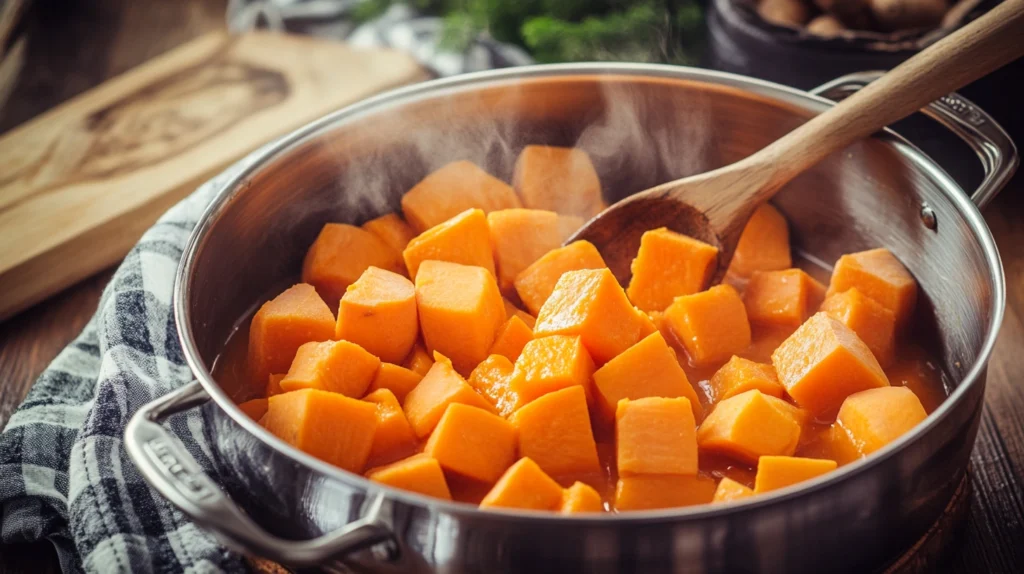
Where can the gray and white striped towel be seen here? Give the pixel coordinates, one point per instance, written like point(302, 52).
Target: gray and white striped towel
point(64, 473)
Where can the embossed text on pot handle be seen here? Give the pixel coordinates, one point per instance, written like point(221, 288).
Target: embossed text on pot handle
point(995, 149)
point(172, 471)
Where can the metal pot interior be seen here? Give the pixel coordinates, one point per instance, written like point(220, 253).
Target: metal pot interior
point(642, 125)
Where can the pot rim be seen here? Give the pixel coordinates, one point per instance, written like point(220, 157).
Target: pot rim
point(800, 100)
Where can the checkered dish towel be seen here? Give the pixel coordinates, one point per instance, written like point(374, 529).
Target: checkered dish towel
point(64, 473)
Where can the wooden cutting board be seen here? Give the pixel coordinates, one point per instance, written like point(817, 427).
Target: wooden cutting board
point(80, 184)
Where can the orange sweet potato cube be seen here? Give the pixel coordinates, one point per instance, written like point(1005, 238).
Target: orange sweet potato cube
point(775, 472)
point(647, 369)
point(418, 473)
point(378, 313)
point(763, 245)
point(654, 491)
point(297, 316)
point(520, 237)
point(339, 256)
point(549, 364)
point(524, 485)
point(729, 490)
point(655, 435)
point(274, 385)
point(558, 179)
point(511, 309)
point(394, 438)
point(464, 239)
point(473, 443)
point(668, 265)
point(440, 387)
point(391, 229)
point(491, 378)
point(823, 362)
point(879, 275)
point(740, 375)
point(330, 426)
point(554, 431)
point(876, 417)
point(749, 425)
point(511, 337)
point(711, 325)
point(419, 360)
point(396, 379)
point(786, 297)
point(580, 497)
point(535, 283)
point(590, 304)
point(336, 366)
point(452, 189)
point(254, 409)
point(873, 323)
point(460, 308)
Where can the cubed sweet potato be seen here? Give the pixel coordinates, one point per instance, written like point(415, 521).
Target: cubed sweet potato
point(524, 485)
point(297, 316)
point(590, 304)
point(554, 431)
point(535, 283)
point(879, 275)
point(337, 366)
point(763, 245)
point(418, 473)
point(394, 438)
point(549, 364)
point(784, 298)
point(655, 435)
point(452, 189)
point(378, 313)
point(740, 375)
point(823, 362)
point(440, 387)
point(396, 379)
point(391, 229)
point(511, 309)
point(876, 417)
point(330, 426)
point(647, 369)
point(520, 237)
point(558, 179)
point(464, 239)
point(775, 472)
point(873, 323)
point(711, 325)
point(339, 256)
point(511, 337)
point(473, 443)
point(654, 491)
point(419, 360)
point(580, 497)
point(749, 425)
point(460, 308)
point(254, 409)
point(668, 265)
point(274, 385)
point(491, 378)
point(729, 490)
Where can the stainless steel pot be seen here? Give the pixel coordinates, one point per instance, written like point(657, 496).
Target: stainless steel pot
point(643, 124)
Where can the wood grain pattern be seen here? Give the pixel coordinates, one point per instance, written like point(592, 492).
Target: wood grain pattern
point(79, 184)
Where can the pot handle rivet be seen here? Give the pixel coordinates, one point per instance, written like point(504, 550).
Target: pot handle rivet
point(928, 217)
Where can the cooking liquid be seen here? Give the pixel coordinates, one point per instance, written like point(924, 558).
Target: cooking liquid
point(914, 368)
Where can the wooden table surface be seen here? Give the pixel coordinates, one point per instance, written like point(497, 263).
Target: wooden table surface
point(78, 45)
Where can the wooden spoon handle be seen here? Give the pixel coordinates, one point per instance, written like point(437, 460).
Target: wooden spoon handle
point(975, 50)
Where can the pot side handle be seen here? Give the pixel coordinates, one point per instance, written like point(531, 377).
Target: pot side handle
point(175, 474)
point(995, 149)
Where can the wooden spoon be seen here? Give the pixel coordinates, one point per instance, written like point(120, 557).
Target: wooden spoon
point(714, 206)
